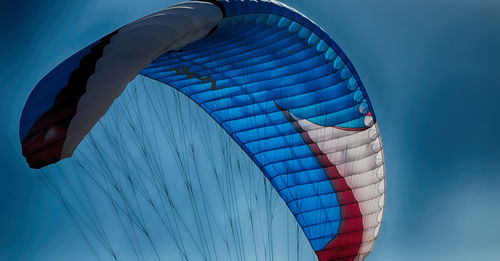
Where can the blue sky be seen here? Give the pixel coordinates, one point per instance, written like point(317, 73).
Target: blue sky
point(430, 67)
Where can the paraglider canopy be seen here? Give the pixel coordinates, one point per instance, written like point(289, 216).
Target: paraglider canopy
point(269, 76)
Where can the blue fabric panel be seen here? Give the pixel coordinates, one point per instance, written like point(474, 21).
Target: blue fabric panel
point(318, 217)
point(243, 7)
point(264, 55)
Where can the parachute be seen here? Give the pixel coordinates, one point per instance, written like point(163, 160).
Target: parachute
point(272, 79)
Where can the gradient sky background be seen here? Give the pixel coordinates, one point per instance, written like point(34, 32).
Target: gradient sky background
point(431, 68)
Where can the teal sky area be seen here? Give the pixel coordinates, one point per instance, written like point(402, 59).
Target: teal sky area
point(430, 67)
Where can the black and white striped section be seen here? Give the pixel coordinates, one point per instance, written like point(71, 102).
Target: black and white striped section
point(114, 61)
